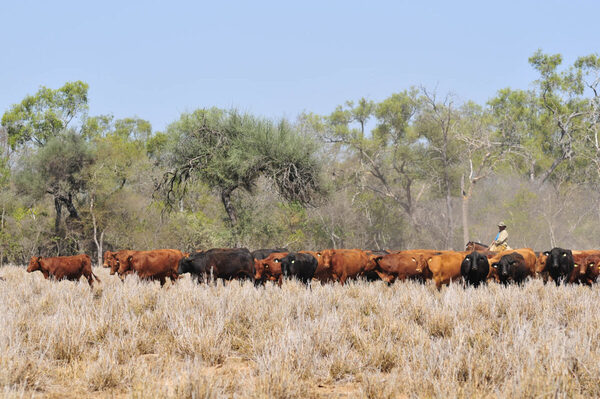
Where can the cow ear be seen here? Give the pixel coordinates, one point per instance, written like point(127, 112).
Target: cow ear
point(547, 253)
point(495, 265)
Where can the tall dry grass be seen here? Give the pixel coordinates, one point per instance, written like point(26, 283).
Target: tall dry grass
point(134, 339)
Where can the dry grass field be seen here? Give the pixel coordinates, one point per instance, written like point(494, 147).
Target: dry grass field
point(134, 339)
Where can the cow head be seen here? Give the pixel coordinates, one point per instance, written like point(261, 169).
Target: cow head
point(541, 262)
point(269, 268)
point(106, 257)
point(114, 262)
point(503, 268)
point(185, 265)
point(327, 255)
point(593, 266)
point(34, 264)
point(124, 266)
point(475, 268)
point(559, 263)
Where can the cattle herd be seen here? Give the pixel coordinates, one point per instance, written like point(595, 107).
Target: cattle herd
point(474, 266)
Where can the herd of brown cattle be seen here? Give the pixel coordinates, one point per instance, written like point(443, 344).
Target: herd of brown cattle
point(338, 265)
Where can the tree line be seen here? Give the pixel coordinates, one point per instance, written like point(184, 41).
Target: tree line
point(417, 169)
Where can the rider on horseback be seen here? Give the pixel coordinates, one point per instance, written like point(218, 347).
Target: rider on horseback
point(500, 242)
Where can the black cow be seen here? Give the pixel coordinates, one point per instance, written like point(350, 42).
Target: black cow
point(301, 266)
point(475, 268)
point(220, 263)
point(512, 267)
point(263, 253)
point(559, 264)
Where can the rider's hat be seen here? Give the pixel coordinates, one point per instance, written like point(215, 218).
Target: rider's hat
point(501, 224)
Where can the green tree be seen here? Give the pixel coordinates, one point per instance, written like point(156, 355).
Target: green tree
point(118, 161)
point(42, 116)
point(57, 169)
point(230, 151)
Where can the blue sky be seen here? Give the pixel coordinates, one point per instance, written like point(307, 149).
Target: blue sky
point(156, 59)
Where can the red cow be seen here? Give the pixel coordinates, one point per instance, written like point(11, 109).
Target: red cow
point(152, 265)
point(346, 263)
point(64, 267)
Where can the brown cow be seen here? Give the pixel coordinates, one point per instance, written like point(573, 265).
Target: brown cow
point(581, 269)
point(347, 263)
point(445, 267)
point(402, 265)
point(269, 268)
point(64, 267)
point(590, 269)
point(157, 264)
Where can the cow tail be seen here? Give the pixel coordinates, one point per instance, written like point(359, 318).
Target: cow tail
point(96, 277)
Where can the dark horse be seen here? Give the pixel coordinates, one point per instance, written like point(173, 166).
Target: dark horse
point(476, 246)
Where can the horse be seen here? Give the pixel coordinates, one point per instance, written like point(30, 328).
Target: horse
point(476, 246)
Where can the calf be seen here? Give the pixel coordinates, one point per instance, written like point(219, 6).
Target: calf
point(475, 269)
point(225, 264)
point(64, 267)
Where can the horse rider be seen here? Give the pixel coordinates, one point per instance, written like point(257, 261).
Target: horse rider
point(500, 242)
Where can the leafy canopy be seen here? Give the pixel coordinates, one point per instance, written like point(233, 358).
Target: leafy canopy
point(44, 115)
point(230, 150)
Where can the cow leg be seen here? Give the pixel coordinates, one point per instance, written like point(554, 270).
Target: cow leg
point(46, 274)
point(384, 276)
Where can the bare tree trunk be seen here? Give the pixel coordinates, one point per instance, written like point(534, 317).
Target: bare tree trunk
point(68, 201)
point(98, 244)
point(58, 208)
point(450, 236)
point(554, 165)
point(465, 209)
point(231, 213)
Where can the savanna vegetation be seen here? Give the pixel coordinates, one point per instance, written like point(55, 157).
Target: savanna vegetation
point(416, 169)
point(364, 339)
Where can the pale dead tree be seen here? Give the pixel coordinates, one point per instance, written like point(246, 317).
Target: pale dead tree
point(97, 241)
point(482, 150)
point(440, 120)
